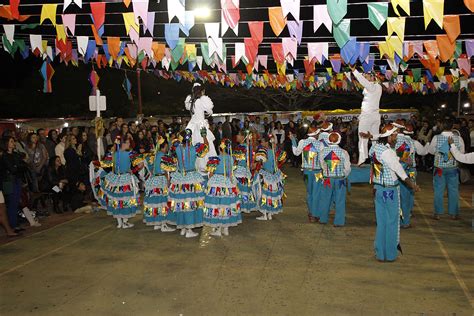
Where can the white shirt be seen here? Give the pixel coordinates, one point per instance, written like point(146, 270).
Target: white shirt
point(276, 132)
point(372, 94)
point(463, 158)
point(390, 158)
point(431, 147)
point(202, 106)
point(419, 148)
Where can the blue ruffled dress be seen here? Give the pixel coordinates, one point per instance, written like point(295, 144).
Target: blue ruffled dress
point(186, 192)
point(242, 173)
point(155, 202)
point(271, 185)
point(222, 201)
point(120, 187)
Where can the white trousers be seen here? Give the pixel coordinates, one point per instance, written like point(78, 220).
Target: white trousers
point(367, 123)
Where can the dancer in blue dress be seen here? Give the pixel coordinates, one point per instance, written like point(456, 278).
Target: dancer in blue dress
point(120, 186)
point(186, 192)
point(222, 202)
point(244, 155)
point(155, 203)
point(270, 179)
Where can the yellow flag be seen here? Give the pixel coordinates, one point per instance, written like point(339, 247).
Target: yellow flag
point(396, 45)
point(281, 68)
point(329, 70)
point(60, 32)
point(433, 9)
point(386, 49)
point(396, 25)
point(440, 72)
point(48, 11)
point(45, 45)
point(191, 51)
point(404, 4)
point(129, 21)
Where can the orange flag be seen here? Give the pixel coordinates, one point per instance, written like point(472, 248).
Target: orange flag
point(432, 49)
point(158, 51)
point(452, 26)
point(469, 4)
point(446, 47)
point(97, 38)
point(114, 46)
point(277, 20)
point(431, 64)
point(127, 2)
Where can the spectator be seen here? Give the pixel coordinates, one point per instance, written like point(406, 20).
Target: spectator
point(60, 147)
point(278, 135)
point(471, 134)
point(51, 142)
point(37, 159)
point(56, 182)
point(227, 128)
point(4, 218)
point(74, 169)
point(143, 144)
point(425, 134)
point(12, 169)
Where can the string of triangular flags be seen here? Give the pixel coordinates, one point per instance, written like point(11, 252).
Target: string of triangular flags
point(147, 53)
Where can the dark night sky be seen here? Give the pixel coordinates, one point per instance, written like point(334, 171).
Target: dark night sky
point(21, 83)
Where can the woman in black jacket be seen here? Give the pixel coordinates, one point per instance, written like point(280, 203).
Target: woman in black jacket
point(12, 169)
point(55, 181)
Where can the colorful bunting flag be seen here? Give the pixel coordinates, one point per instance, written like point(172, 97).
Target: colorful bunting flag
point(433, 9)
point(404, 4)
point(378, 13)
point(321, 16)
point(337, 10)
point(47, 73)
point(48, 12)
point(230, 16)
point(277, 20)
point(341, 32)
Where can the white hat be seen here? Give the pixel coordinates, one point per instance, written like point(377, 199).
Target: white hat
point(389, 130)
point(326, 126)
point(313, 131)
point(197, 84)
point(334, 138)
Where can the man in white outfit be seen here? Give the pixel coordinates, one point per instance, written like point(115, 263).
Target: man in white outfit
point(369, 118)
point(200, 106)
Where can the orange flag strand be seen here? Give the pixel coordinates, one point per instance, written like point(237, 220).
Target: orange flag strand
point(277, 20)
point(432, 49)
point(469, 4)
point(446, 47)
point(452, 26)
point(114, 46)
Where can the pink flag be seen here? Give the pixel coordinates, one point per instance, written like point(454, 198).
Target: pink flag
point(230, 15)
point(290, 47)
point(140, 9)
point(263, 59)
point(69, 21)
point(144, 44)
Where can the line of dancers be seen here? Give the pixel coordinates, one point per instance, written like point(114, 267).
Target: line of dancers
point(177, 193)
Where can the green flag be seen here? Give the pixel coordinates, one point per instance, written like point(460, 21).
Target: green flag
point(378, 13)
point(337, 10)
point(416, 74)
point(341, 32)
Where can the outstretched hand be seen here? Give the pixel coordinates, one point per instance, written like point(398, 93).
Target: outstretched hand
point(367, 135)
point(450, 140)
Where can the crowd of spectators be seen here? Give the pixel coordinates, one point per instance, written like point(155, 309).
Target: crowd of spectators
point(52, 165)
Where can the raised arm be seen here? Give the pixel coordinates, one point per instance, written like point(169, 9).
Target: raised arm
point(363, 81)
point(462, 158)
